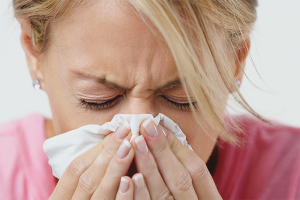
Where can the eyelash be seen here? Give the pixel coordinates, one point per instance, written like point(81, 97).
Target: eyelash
point(112, 102)
point(181, 106)
point(99, 106)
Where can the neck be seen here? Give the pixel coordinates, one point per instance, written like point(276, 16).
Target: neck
point(50, 132)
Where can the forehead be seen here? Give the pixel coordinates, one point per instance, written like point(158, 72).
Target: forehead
point(110, 40)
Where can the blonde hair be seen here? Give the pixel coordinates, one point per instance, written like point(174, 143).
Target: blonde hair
point(214, 30)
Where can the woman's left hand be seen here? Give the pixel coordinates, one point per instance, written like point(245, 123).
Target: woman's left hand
point(169, 169)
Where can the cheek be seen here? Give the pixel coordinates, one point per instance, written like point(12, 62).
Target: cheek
point(68, 115)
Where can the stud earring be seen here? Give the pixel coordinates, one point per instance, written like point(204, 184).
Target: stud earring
point(238, 83)
point(36, 84)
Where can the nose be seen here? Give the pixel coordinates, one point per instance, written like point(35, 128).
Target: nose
point(136, 105)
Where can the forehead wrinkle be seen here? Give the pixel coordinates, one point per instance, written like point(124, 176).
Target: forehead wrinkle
point(107, 83)
point(125, 51)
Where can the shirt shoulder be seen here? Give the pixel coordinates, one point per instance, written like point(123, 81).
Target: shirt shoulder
point(267, 132)
point(22, 157)
point(266, 166)
point(13, 126)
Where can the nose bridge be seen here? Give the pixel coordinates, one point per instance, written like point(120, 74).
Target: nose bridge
point(136, 105)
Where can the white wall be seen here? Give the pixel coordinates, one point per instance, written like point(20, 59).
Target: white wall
point(275, 51)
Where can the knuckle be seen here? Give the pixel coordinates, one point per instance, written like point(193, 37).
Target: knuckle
point(113, 170)
point(198, 169)
point(149, 168)
point(77, 167)
point(86, 183)
point(100, 162)
point(147, 164)
point(183, 182)
point(162, 150)
point(100, 195)
point(106, 140)
point(172, 142)
point(166, 195)
point(109, 151)
point(101, 145)
point(120, 162)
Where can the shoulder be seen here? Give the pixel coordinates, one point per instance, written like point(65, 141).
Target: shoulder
point(19, 147)
point(267, 165)
point(249, 123)
point(273, 140)
point(21, 123)
point(22, 127)
point(273, 146)
point(273, 135)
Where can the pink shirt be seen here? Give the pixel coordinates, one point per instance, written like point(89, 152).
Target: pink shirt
point(266, 167)
point(24, 170)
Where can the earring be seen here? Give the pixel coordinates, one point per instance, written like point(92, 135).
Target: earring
point(36, 84)
point(238, 83)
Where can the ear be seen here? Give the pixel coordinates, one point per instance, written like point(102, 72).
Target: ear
point(242, 52)
point(32, 57)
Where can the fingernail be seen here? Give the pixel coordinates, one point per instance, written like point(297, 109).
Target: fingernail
point(150, 128)
point(124, 185)
point(123, 130)
point(123, 149)
point(141, 144)
point(139, 181)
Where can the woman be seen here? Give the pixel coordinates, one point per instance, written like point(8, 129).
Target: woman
point(95, 59)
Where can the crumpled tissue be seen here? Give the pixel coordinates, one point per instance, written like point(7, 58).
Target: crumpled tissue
point(64, 148)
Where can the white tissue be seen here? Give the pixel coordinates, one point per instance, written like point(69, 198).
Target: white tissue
point(63, 148)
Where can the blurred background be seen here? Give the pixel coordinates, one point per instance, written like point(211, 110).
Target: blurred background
point(275, 51)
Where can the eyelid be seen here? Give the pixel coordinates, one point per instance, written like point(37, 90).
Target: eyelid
point(178, 96)
point(182, 99)
point(98, 102)
point(113, 102)
point(106, 96)
point(177, 100)
point(100, 106)
point(181, 106)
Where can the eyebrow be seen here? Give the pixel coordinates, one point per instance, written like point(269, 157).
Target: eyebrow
point(106, 83)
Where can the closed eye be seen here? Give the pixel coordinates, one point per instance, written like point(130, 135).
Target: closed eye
point(181, 106)
point(111, 103)
point(99, 106)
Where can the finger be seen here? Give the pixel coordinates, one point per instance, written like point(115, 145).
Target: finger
point(203, 182)
point(91, 178)
point(146, 165)
point(126, 189)
point(117, 168)
point(68, 182)
point(173, 172)
point(140, 190)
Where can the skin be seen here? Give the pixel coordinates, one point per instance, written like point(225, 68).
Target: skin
point(110, 42)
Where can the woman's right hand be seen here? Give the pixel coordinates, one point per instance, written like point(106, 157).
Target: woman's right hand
point(96, 174)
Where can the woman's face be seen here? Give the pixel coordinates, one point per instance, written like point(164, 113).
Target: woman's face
point(105, 54)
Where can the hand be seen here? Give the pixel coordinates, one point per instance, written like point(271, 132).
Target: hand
point(96, 173)
point(171, 171)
